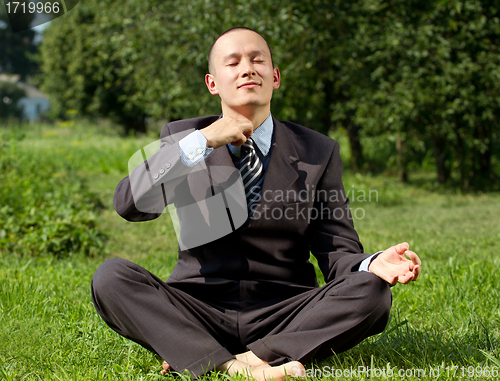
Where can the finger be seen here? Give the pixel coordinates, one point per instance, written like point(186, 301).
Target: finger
point(416, 264)
point(241, 138)
point(414, 257)
point(405, 279)
point(395, 253)
point(401, 248)
point(247, 130)
point(416, 271)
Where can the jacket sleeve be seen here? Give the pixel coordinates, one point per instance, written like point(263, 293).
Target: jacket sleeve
point(333, 239)
point(144, 194)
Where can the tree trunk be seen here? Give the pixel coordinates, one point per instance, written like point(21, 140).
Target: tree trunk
point(443, 170)
point(482, 173)
point(403, 168)
point(463, 158)
point(357, 159)
point(136, 123)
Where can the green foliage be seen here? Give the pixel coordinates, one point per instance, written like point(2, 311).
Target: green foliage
point(426, 75)
point(46, 207)
point(149, 58)
point(17, 49)
point(421, 76)
point(9, 96)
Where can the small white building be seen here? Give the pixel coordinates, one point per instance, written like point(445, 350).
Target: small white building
point(34, 104)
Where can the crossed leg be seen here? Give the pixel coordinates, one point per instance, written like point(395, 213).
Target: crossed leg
point(250, 366)
point(247, 358)
point(141, 307)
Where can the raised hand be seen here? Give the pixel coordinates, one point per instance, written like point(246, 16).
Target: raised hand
point(228, 130)
point(393, 267)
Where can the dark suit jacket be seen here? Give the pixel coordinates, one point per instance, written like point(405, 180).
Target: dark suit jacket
point(267, 257)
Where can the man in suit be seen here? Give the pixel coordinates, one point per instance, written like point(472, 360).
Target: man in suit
point(246, 299)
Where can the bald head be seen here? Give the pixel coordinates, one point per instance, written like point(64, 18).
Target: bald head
point(211, 68)
point(242, 74)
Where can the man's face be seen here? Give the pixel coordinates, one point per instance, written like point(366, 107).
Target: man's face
point(243, 74)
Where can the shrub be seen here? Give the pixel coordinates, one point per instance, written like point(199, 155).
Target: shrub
point(45, 207)
point(9, 96)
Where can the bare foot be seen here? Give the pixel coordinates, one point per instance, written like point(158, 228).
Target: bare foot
point(281, 372)
point(263, 372)
point(166, 368)
point(251, 359)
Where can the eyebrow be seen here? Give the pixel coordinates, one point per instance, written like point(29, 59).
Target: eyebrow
point(237, 55)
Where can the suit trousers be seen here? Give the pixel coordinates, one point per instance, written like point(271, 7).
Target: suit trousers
point(199, 334)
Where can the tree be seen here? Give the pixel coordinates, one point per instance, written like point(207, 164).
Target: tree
point(73, 67)
point(433, 82)
point(132, 59)
point(423, 74)
point(9, 96)
point(16, 49)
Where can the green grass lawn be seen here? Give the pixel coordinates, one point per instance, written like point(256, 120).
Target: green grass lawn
point(447, 323)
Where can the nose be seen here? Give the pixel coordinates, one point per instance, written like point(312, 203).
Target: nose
point(247, 69)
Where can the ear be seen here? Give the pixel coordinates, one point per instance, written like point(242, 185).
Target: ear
point(212, 86)
point(276, 78)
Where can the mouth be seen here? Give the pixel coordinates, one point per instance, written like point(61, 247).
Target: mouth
point(249, 85)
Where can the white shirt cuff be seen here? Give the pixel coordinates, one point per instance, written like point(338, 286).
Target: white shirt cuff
point(364, 265)
point(193, 148)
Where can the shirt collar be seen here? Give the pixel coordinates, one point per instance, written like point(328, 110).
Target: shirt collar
point(262, 136)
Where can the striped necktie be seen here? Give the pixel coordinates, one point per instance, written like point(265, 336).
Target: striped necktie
point(252, 173)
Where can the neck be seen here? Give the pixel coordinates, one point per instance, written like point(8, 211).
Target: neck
point(256, 115)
